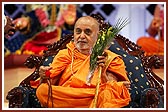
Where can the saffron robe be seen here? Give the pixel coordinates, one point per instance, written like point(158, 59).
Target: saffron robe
point(151, 46)
point(72, 90)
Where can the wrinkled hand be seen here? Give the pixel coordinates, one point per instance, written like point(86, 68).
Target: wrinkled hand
point(43, 69)
point(127, 84)
point(9, 28)
point(101, 60)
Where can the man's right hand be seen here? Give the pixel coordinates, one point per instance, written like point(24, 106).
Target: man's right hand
point(43, 69)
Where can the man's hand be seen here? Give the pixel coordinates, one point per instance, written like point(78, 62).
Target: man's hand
point(102, 59)
point(127, 84)
point(43, 70)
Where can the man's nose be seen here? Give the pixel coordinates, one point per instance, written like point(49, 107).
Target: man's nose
point(82, 35)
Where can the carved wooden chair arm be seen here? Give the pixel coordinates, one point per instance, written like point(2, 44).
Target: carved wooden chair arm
point(150, 98)
point(15, 97)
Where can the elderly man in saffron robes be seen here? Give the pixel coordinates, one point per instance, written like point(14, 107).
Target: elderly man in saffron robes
point(72, 65)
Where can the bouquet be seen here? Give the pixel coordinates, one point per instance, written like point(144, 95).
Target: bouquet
point(105, 37)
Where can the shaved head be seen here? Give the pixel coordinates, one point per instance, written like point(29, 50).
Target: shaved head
point(88, 20)
point(85, 34)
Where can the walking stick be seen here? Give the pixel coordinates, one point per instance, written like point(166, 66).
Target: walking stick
point(105, 37)
point(97, 87)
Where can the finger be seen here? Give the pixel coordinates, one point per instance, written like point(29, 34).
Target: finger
point(42, 73)
point(105, 54)
point(42, 69)
point(128, 86)
point(101, 61)
point(101, 64)
point(101, 57)
point(126, 83)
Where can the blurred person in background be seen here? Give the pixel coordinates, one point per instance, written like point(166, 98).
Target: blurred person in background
point(150, 44)
point(39, 26)
point(9, 28)
point(42, 25)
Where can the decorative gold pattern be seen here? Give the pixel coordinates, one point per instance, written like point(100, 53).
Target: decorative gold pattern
point(147, 83)
point(136, 80)
point(131, 61)
point(46, 59)
point(136, 68)
point(124, 55)
point(142, 87)
point(112, 43)
point(118, 48)
point(142, 75)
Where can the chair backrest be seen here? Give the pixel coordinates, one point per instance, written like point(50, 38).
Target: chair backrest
point(148, 62)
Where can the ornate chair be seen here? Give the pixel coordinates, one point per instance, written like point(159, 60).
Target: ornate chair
point(146, 87)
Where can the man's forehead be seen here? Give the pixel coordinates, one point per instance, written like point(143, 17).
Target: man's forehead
point(86, 17)
point(87, 20)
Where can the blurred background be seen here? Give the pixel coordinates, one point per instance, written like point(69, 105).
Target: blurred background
point(47, 23)
point(42, 16)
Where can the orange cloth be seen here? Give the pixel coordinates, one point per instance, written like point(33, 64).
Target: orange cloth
point(73, 92)
point(151, 46)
